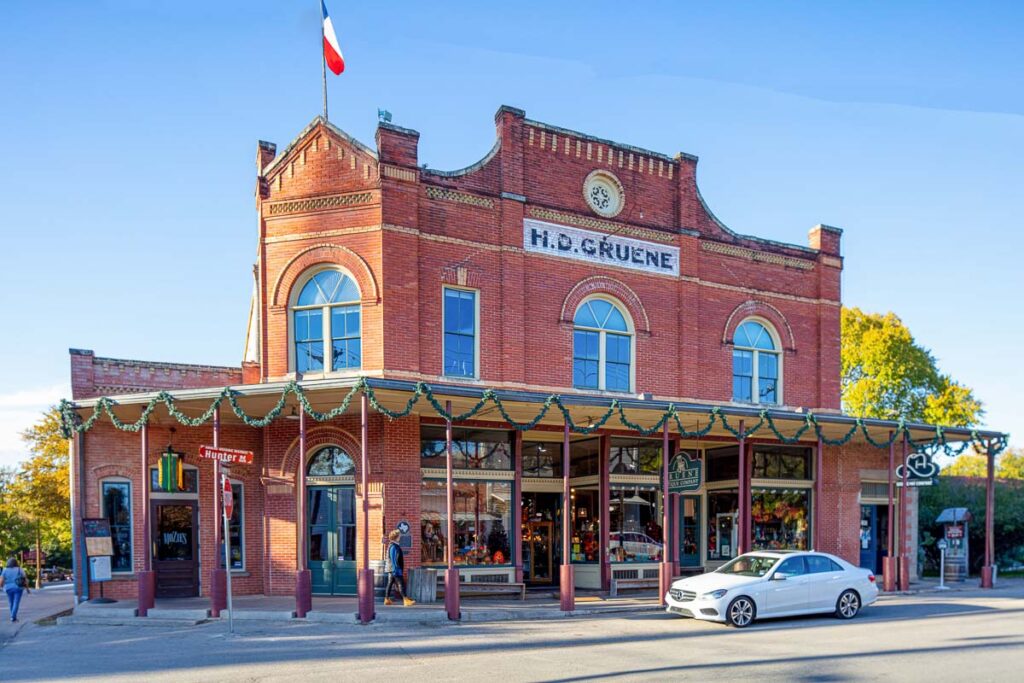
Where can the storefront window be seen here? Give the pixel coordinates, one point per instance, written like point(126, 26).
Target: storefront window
point(117, 507)
point(722, 524)
point(189, 480)
point(586, 524)
point(635, 529)
point(780, 519)
point(236, 527)
point(780, 462)
point(483, 517)
point(472, 449)
point(583, 457)
point(723, 464)
point(635, 456)
point(542, 459)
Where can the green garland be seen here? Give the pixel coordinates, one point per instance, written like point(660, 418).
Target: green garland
point(72, 423)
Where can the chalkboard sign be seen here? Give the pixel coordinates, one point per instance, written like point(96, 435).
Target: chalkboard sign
point(97, 537)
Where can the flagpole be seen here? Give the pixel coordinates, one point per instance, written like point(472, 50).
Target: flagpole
point(323, 59)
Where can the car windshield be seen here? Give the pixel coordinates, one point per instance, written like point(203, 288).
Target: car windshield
point(749, 565)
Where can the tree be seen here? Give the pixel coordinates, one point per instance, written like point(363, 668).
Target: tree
point(886, 374)
point(1009, 465)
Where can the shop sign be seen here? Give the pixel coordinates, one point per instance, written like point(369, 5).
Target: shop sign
point(100, 568)
point(599, 248)
point(684, 474)
point(96, 532)
point(405, 537)
point(956, 531)
point(921, 471)
point(229, 456)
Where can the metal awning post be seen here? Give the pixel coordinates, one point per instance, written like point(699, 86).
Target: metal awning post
point(889, 562)
point(567, 578)
point(365, 581)
point(451, 574)
point(303, 577)
point(147, 577)
point(988, 571)
point(665, 568)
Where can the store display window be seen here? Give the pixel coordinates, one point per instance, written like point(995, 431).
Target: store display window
point(586, 524)
point(542, 459)
point(722, 524)
point(635, 456)
point(483, 518)
point(472, 449)
point(782, 462)
point(780, 519)
point(635, 533)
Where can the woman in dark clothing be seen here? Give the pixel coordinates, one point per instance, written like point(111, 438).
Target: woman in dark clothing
point(394, 565)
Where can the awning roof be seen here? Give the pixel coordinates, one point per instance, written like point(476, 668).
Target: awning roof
point(256, 400)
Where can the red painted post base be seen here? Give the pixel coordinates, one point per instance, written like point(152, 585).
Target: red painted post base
point(665, 574)
point(904, 573)
point(147, 592)
point(364, 588)
point(218, 592)
point(986, 577)
point(451, 594)
point(889, 574)
point(567, 587)
point(303, 593)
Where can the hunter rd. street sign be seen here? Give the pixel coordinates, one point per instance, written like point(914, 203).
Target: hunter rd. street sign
point(227, 456)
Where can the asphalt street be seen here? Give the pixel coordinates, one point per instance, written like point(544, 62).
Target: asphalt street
point(929, 637)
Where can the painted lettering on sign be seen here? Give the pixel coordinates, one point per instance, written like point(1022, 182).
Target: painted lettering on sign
point(684, 474)
point(175, 537)
point(599, 248)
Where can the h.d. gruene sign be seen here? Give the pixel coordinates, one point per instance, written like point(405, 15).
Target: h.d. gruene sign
point(599, 248)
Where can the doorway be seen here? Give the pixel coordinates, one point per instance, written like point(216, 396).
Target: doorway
point(332, 539)
point(542, 538)
point(689, 531)
point(175, 548)
point(874, 535)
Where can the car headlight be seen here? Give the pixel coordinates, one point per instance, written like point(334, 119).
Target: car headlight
point(714, 595)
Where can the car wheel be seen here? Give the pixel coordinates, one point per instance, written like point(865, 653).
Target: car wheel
point(741, 612)
point(848, 605)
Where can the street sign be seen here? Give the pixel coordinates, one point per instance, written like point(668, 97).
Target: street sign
point(684, 473)
point(226, 455)
point(229, 498)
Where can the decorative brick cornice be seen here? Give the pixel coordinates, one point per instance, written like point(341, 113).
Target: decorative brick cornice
point(334, 201)
point(446, 195)
point(754, 255)
point(398, 173)
point(832, 261)
point(597, 223)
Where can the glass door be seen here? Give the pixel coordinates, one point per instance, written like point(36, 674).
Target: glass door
point(332, 539)
point(689, 531)
point(538, 564)
point(175, 556)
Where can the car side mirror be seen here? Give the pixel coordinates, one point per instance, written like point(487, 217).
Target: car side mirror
point(779, 576)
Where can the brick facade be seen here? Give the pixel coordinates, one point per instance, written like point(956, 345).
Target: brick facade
point(403, 231)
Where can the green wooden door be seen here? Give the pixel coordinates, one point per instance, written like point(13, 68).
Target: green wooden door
point(332, 539)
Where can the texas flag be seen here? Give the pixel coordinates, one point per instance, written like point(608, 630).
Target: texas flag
point(332, 51)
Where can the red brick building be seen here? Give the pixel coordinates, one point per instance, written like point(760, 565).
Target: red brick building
point(559, 263)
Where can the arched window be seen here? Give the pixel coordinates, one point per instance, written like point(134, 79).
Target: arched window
point(601, 347)
point(755, 364)
point(326, 324)
point(331, 461)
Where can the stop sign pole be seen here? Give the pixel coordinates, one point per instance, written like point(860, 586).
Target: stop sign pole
point(228, 496)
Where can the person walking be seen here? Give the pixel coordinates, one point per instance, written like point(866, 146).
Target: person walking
point(15, 583)
point(394, 565)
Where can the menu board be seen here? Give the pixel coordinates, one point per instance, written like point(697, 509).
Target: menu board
point(97, 536)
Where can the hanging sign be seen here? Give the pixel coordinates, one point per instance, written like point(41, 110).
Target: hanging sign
point(921, 471)
point(96, 532)
point(685, 474)
point(229, 498)
point(170, 473)
point(230, 456)
point(599, 248)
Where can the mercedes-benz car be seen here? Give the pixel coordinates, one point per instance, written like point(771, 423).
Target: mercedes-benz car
point(776, 583)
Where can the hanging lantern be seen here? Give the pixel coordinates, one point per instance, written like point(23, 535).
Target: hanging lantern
point(170, 473)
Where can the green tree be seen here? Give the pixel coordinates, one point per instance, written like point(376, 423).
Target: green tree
point(886, 374)
point(1009, 465)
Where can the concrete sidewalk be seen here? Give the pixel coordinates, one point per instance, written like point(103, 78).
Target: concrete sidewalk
point(39, 604)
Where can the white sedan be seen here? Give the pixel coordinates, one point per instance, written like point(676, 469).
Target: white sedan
point(774, 584)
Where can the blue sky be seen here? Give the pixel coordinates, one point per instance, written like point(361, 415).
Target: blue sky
point(130, 128)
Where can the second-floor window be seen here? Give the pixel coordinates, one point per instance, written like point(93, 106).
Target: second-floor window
point(755, 364)
point(460, 314)
point(601, 347)
point(327, 326)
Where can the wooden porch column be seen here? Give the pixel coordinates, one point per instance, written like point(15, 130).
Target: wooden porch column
point(146, 578)
point(303, 577)
point(988, 571)
point(743, 506)
point(604, 514)
point(889, 563)
point(218, 575)
point(665, 569)
point(567, 578)
point(364, 580)
point(517, 504)
point(451, 574)
point(904, 567)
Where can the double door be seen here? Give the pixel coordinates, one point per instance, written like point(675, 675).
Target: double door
point(175, 548)
point(331, 539)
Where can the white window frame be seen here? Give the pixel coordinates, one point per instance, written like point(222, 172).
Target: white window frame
point(293, 299)
point(241, 523)
point(755, 393)
point(476, 331)
point(601, 343)
point(131, 517)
